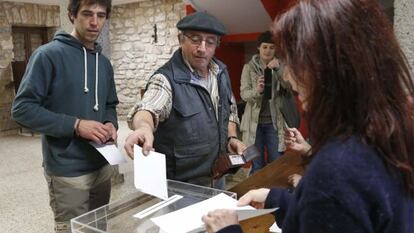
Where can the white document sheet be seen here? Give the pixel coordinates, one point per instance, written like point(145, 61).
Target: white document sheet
point(246, 214)
point(110, 152)
point(188, 219)
point(275, 229)
point(150, 173)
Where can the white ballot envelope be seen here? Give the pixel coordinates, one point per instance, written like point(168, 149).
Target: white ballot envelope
point(110, 152)
point(150, 173)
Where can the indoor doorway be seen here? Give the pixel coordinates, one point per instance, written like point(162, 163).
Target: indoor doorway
point(25, 41)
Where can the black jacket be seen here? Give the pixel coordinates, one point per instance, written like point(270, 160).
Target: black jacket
point(192, 137)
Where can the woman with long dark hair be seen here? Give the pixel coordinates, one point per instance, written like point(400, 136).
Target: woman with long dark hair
point(344, 61)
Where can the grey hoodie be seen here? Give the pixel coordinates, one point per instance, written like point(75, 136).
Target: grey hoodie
point(64, 81)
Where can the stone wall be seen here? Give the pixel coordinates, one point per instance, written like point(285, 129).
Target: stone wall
point(404, 27)
point(105, 41)
point(65, 23)
point(134, 54)
point(19, 14)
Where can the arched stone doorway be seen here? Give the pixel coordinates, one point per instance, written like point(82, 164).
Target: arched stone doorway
point(21, 15)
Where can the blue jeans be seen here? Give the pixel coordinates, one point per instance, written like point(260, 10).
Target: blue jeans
point(266, 136)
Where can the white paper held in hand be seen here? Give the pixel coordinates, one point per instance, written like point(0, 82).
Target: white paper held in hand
point(150, 173)
point(188, 219)
point(110, 152)
point(244, 214)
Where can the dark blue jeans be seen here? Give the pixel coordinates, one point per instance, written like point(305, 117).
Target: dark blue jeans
point(266, 137)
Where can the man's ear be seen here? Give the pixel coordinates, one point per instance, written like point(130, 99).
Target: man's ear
point(71, 17)
point(180, 38)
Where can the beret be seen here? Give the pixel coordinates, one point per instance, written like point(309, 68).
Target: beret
point(201, 21)
point(265, 37)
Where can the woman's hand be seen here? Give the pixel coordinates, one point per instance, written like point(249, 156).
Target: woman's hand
point(219, 219)
point(236, 146)
point(273, 64)
point(255, 198)
point(260, 84)
point(294, 179)
point(295, 141)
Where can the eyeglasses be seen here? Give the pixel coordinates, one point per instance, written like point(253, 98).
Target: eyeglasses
point(197, 40)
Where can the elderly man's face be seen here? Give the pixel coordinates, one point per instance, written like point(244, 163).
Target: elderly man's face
point(198, 49)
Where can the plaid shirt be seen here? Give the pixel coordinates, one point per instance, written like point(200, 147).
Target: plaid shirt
point(158, 97)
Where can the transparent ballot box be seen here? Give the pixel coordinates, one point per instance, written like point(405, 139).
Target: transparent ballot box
point(118, 216)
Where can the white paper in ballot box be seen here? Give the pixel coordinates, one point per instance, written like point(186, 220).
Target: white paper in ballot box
point(188, 219)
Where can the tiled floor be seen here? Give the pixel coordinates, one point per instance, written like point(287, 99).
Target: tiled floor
point(23, 191)
point(24, 200)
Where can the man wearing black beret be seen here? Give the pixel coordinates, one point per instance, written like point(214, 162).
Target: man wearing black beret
point(188, 111)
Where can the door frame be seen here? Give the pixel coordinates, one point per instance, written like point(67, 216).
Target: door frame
point(27, 31)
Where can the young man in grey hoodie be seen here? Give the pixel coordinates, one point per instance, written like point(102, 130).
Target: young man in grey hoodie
point(68, 95)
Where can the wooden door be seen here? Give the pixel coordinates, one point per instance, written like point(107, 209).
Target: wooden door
point(25, 41)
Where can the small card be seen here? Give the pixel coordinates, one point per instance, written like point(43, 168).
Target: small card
point(236, 160)
point(110, 152)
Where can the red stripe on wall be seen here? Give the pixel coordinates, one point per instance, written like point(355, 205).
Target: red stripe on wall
point(240, 37)
point(232, 54)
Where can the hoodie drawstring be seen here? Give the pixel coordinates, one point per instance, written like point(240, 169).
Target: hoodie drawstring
point(85, 88)
point(96, 107)
point(85, 58)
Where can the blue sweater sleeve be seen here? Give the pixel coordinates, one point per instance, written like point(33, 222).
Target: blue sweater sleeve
point(279, 198)
point(27, 108)
point(231, 229)
point(328, 217)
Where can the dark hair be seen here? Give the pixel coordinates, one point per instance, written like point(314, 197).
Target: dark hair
point(74, 5)
point(265, 37)
point(345, 54)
